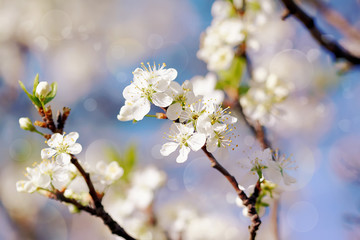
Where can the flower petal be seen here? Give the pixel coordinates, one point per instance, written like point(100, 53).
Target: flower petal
point(288, 179)
point(196, 141)
point(141, 108)
point(161, 99)
point(173, 112)
point(184, 152)
point(161, 85)
point(168, 148)
point(47, 153)
point(55, 140)
point(71, 138)
point(74, 149)
point(63, 159)
point(212, 144)
point(170, 74)
point(131, 92)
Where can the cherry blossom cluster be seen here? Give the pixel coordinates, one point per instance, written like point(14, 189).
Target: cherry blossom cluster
point(261, 102)
point(197, 120)
point(229, 29)
point(55, 171)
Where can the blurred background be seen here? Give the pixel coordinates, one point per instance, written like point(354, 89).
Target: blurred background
point(91, 48)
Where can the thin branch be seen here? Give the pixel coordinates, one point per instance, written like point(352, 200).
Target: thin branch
point(332, 46)
point(86, 176)
point(337, 20)
point(97, 209)
point(248, 202)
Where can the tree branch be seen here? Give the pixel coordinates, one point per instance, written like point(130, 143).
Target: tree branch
point(332, 46)
point(248, 202)
point(97, 209)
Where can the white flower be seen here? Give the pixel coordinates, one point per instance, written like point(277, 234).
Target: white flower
point(37, 179)
point(61, 147)
point(182, 96)
point(276, 170)
point(221, 9)
point(57, 173)
point(109, 173)
point(192, 112)
point(205, 87)
point(213, 114)
point(26, 124)
point(42, 90)
point(221, 58)
point(150, 177)
point(218, 138)
point(140, 196)
point(149, 85)
point(185, 138)
point(267, 91)
point(255, 164)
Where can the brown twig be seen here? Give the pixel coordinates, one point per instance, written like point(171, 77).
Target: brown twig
point(114, 227)
point(337, 20)
point(97, 209)
point(332, 46)
point(248, 202)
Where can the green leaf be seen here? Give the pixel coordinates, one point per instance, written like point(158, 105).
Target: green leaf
point(52, 94)
point(231, 78)
point(127, 161)
point(242, 90)
point(36, 83)
point(32, 98)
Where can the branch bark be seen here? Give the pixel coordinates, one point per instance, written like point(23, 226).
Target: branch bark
point(332, 46)
point(248, 202)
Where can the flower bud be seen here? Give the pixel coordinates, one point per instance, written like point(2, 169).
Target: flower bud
point(26, 124)
point(42, 90)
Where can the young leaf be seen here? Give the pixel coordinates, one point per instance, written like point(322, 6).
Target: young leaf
point(242, 90)
point(36, 83)
point(52, 94)
point(32, 98)
point(231, 78)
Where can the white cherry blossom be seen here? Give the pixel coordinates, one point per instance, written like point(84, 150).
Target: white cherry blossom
point(213, 114)
point(205, 87)
point(184, 137)
point(182, 96)
point(37, 179)
point(218, 138)
point(254, 165)
point(108, 173)
point(61, 146)
point(277, 170)
point(150, 85)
